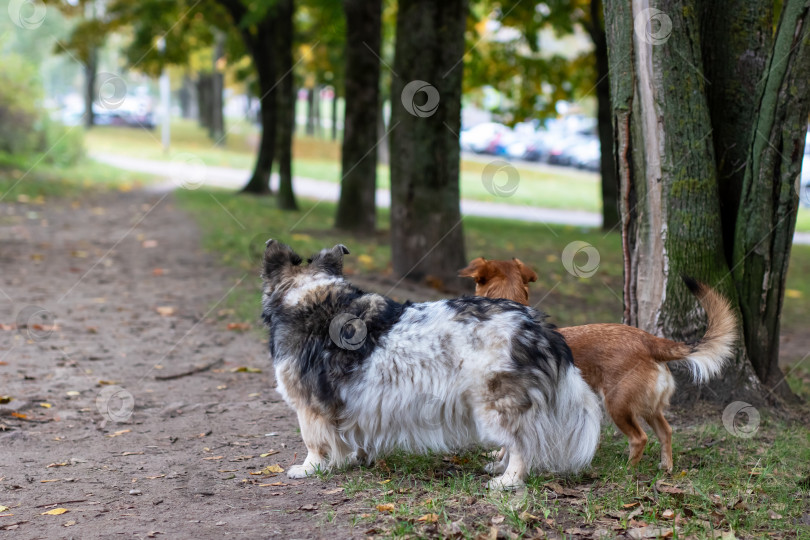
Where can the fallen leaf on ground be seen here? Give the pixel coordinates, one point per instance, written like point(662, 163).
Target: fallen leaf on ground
point(70, 523)
point(5, 399)
point(149, 243)
point(333, 491)
point(165, 311)
point(103, 382)
point(63, 464)
point(269, 453)
point(238, 326)
point(385, 481)
point(668, 514)
point(274, 468)
point(19, 415)
point(246, 369)
point(3, 508)
point(8, 327)
point(55, 512)
point(119, 432)
point(45, 405)
point(388, 507)
point(559, 490)
point(497, 519)
point(429, 518)
point(308, 507)
point(793, 293)
point(649, 532)
point(774, 515)
point(212, 458)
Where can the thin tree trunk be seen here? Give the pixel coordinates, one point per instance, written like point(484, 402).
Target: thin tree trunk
point(216, 130)
point(286, 104)
point(357, 210)
point(204, 99)
point(334, 114)
point(382, 133)
point(310, 128)
point(769, 199)
point(90, 68)
point(426, 230)
point(607, 168)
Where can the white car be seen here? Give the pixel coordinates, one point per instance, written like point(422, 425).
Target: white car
point(483, 138)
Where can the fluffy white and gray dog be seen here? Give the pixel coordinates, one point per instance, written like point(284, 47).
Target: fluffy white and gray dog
point(367, 375)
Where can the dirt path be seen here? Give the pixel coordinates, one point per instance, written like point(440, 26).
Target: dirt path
point(90, 426)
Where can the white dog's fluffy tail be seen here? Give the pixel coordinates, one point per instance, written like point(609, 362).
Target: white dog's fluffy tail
point(571, 443)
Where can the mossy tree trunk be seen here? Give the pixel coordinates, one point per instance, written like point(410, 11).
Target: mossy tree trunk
point(426, 229)
point(707, 188)
point(357, 210)
point(286, 104)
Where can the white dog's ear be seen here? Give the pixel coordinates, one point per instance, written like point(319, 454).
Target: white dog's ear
point(278, 256)
point(330, 260)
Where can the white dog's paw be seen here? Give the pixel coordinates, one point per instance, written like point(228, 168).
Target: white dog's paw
point(504, 482)
point(300, 471)
point(495, 467)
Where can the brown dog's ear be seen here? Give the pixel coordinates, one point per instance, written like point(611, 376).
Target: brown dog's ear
point(526, 273)
point(473, 268)
point(478, 269)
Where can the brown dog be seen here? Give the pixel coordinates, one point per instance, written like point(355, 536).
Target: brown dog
point(626, 365)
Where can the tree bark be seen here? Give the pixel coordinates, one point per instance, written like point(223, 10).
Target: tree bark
point(334, 114)
point(769, 199)
point(357, 209)
point(426, 230)
point(607, 168)
point(286, 105)
point(204, 99)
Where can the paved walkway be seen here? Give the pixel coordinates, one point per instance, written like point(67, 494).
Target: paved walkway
point(194, 174)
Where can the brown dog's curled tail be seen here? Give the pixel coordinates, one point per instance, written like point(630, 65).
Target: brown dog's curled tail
point(707, 357)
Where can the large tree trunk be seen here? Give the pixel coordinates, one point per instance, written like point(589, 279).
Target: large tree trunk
point(769, 199)
point(90, 87)
point(357, 210)
point(426, 232)
point(607, 168)
point(671, 178)
point(286, 104)
point(204, 98)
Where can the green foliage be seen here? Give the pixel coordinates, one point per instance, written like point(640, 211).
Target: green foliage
point(27, 134)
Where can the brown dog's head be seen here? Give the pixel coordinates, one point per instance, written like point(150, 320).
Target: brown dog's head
point(500, 279)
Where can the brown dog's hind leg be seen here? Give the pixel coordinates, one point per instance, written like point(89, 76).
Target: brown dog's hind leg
point(664, 433)
point(628, 424)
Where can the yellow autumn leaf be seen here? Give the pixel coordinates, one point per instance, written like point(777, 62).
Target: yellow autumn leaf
point(388, 507)
point(301, 237)
point(45, 405)
point(793, 293)
point(55, 512)
point(274, 468)
point(429, 518)
point(385, 481)
point(365, 260)
point(3, 508)
point(270, 453)
point(246, 369)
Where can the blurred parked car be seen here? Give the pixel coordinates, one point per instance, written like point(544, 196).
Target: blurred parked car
point(483, 138)
point(586, 155)
point(562, 152)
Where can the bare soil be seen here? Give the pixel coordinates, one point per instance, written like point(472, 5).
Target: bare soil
point(102, 300)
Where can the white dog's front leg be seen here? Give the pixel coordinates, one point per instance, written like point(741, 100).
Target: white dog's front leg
point(312, 464)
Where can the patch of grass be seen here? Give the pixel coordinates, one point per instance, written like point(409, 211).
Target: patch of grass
point(39, 182)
